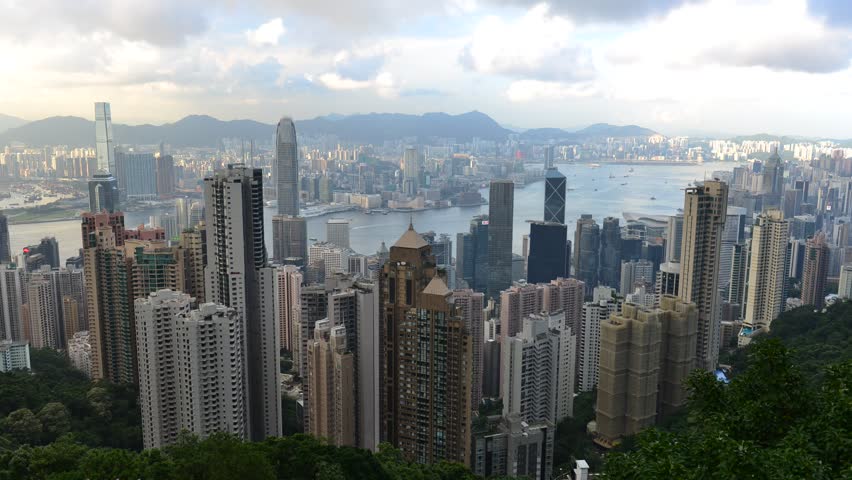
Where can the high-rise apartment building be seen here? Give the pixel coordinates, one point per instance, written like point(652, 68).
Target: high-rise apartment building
point(287, 168)
point(237, 277)
point(165, 175)
point(636, 273)
point(104, 147)
point(103, 193)
point(767, 273)
point(734, 234)
point(332, 383)
point(704, 215)
point(290, 240)
point(337, 232)
point(80, 352)
point(646, 356)
point(530, 368)
point(588, 341)
point(515, 448)
point(517, 303)
point(44, 313)
point(815, 274)
point(845, 286)
point(192, 258)
point(500, 214)
point(554, 196)
point(674, 238)
point(426, 409)
point(288, 303)
point(471, 305)
point(12, 295)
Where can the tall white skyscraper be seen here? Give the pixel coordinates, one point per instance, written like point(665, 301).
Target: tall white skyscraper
point(845, 286)
point(530, 371)
point(287, 167)
point(767, 273)
point(237, 277)
point(337, 232)
point(104, 147)
point(589, 341)
point(11, 300)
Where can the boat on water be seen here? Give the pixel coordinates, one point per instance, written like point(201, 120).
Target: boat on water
point(611, 176)
point(623, 184)
point(631, 170)
point(594, 165)
point(385, 213)
point(653, 198)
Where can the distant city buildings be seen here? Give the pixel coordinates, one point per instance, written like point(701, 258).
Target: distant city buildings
point(14, 355)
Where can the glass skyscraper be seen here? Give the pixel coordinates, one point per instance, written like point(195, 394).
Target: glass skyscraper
point(500, 215)
point(287, 168)
point(103, 138)
point(554, 196)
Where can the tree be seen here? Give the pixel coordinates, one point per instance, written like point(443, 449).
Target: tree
point(55, 421)
point(23, 426)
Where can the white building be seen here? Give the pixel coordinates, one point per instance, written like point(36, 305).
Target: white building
point(11, 301)
point(845, 290)
point(566, 367)
point(14, 355)
point(589, 341)
point(334, 259)
point(80, 352)
point(530, 371)
point(767, 273)
point(636, 273)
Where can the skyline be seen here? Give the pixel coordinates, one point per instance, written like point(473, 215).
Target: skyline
point(527, 65)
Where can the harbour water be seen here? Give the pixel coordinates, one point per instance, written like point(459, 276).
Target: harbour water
point(608, 190)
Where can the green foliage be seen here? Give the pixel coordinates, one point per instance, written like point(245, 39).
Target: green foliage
point(98, 414)
point(769, 422)
point(572, 441)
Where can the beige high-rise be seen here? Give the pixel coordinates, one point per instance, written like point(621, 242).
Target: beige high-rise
point(704, 214)
point(815, 274)
point(331, 374)
point(646, 356)
point(767, 271)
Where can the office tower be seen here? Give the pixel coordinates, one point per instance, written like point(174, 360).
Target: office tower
point(46, 252)
point(471, 305)
point(182, 213)
point(192, 258)
point(587, 242)
point(610, 253)
point(530, 367)
point(636, 273)
point(337, 232)
point(704, 216)
point(334, 259)
point(733, 234)
point(674, 238)
point(472, 254)
point(108, 289)
point(290, 240)
point(412, 163)
point(210, 365)
point(646, 356)
point(287, 168)
point(44, 313)
point(845, 285)
point(196, 214)
point(156, 342)
point(80, 352)
point(547, 255)
point(288, 306)
point(500, 215)
point(12, 295)
point(548, 159)
point(517, 303)
point(236, 277)
point(136, 174)
point(803, 227)
point(739, 273)
point(767, 273)
point(104, 147)
point(588, 341)
point(442, 248)
point(773, 181)
point(14, 355)
point(419, 322)
point(331, 379)
point(5, 244)
point(815, 271)
point(554, 196)
point(511, 447)
point(165, 175)
point(668, 279)
point(103, 193)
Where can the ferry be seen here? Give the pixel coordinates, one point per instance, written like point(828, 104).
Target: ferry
point(653, 198)
point(631, 170)
point(594, 165)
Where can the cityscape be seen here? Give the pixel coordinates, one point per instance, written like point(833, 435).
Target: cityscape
point(424, 295)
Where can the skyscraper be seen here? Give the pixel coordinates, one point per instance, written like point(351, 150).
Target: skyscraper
point(470, 305)
point(288, 291)
point(587, 243)
point(426, 408)
point(845, 285)
point(773, 181)
point(767, 273)
point(704, 215)
point(412, 163)
point(237, 277)
point(290, 240)
point(44, 312)
point(287, 168)
point(472, 254)
point(588, 341)
point(12, 296)
point(104, 147)
point(636, 273)
point(192, 257)
point(5, 244)
point(548, 250)
point(165, 175)
point(337, 232)
point(500, 215)
point(554, 196)
point(530, 371)
point(103, 193)
point(611, 253)
point(331, 378)
point(674, 238)
point(815, 273)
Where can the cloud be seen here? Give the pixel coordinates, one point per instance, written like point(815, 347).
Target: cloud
point(690, 38)
point(536, 46)
point(358, 67)
point(532, 90)
point(267, 34)
point(601, 10)
point(333, 81)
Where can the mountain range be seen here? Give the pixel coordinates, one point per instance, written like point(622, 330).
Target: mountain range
point(371, 128)
point(7, 122)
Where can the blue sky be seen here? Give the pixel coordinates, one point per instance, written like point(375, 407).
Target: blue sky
point(678, 66)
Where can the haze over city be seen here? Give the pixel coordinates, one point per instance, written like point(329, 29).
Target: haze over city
point(715, 67)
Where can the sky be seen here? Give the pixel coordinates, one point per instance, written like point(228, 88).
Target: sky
point(678, 66)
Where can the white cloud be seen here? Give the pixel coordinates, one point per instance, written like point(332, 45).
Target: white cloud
point(537, 45)
point(334, 81)
point(267, 34)
point(532, 90)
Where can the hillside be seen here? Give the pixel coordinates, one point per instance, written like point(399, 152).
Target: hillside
point(592, 132)
point(8, 121)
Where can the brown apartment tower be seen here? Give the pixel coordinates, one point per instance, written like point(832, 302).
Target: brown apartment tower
point(426, 358)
